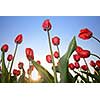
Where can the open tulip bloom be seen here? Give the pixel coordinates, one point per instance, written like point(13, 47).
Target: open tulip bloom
point(72, 66)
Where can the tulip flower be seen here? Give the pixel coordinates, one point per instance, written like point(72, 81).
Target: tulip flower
point(56, 54)
point(77, 65)
point(29, 54)
point(92, 63)
point(49, 58)
point(71, 66)
point(84, 53)
point(76, 57)
point(19, 39)
point(10, 57)
point(38, 62)
point(86, 34)
point(20, 65)
point(4, 48)
point(56, 40)
point(16, 72)
point(84, 67)
point(98, 63)
point(46, 25)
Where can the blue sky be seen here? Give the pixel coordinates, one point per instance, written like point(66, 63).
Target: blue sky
point(34, 37)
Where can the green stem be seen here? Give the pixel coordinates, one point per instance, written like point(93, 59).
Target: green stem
point(96, 39)
point(95, 56)
point(13, 58)
point(54, 69)
point(0, 61)
point(88, 68)
point(8, 65)
point(58, 51)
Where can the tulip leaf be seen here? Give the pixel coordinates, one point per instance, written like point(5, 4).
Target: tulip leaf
point(65, 75)
point(4, 69)
point(43, 72)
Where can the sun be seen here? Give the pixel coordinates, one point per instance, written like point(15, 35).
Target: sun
point(35, 75)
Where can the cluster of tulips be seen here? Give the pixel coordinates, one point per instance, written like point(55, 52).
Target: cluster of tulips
point(82, 74)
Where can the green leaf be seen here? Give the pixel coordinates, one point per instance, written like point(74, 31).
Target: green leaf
point(64, 61)
point(4, 69)
point(43, 72)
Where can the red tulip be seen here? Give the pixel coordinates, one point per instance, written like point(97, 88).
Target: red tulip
point(84, 67)
point(38, 62)
point(56, 54)
point(16, 72)
point(29, 54)
point(19, 39)
point(84, 53)
point(46, 25)
point(78, 49)
point(49, 58)
point(20, 65)
point(98, 63)
point(71, 66)
point(92, 63)
point(4, 48)
point(85, 34)
point(10, 57)
point(56, 40)
point(77, 65)
point(76, 57)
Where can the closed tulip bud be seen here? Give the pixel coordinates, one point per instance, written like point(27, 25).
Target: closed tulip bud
point(56, 54)
point(77, 65)
point(19, 39)
point(92, 63)
point(84, 67)
point(71, 66)
point(38, 62)
point(20, 65)
point(46, 25)
point(4, 48)
point(76, 57)
point(10, 57)
point(49, 58)
point(98, 63)
point(29, 54)
point(56, 40)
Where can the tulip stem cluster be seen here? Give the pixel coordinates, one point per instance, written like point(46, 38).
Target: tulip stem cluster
point(54, 69)
point(13, 58)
